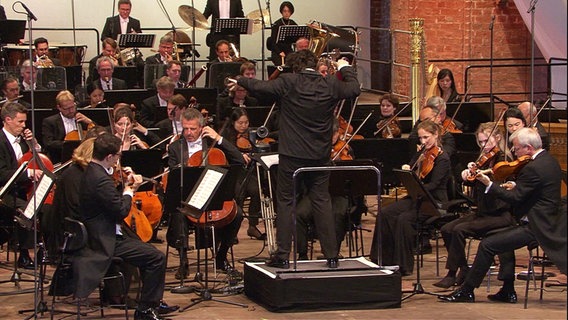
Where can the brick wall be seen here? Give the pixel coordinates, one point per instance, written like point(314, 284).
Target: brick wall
point(460, 30)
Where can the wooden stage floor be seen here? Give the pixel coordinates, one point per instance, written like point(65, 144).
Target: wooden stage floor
point(417, 307)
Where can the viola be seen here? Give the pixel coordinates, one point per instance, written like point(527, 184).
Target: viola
point(483, 160)
point(138, 222)
point(243, 143)
point(340, 150)
point(428, 158)
point(389, 128)
point(344, 126)
point(503, 169)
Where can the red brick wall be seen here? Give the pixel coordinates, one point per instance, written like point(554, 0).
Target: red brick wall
point(460, 30)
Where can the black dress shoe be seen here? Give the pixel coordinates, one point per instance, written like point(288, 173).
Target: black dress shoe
point(254, 233)
point(446, 282)
point(276, 262)
point(25, 263)
point(332, 263)
point(503, 296)
point(164, 308)
point(459, 295)
point(148, 314)
point(461, 276)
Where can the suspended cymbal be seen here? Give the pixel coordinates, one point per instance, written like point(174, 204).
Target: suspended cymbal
point(256, 18)
point(189, 15)
point(179, 37)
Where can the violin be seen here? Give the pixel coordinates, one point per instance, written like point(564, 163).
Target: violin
point(503, 169)
point(243, 143)
point(428, 158)
point(481, 162)
point(389, 128)
point(449, 126)
point(340, 150)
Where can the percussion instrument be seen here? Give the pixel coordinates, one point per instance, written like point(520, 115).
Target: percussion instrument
point(69, 54)
point(257, 16)
point(190, 15)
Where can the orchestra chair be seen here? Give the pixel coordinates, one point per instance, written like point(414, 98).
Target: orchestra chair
point(75, 239)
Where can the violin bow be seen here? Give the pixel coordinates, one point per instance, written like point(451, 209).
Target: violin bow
point(534, 119)
point(491, 134)
point(352, 136)
point(350, 117)
point(457, 109)
point(393, 117)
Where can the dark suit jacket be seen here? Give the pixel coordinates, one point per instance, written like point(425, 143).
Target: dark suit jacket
point(306, 101)
point(2, 13)
point(112, 27)
point(165, 128)
point(101, 207)
point(436, 182)
point(212, 9)
point(155, 59)
point(234, 156)
point(53, 134)
point(147, 115)
point(117, 84)
point(537, 196)
point(9, 163)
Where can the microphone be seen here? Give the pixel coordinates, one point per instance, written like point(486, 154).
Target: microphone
point(492, 22)
point(30, 13)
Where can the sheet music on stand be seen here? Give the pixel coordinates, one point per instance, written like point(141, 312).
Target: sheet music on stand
point(13, 178)
point(209, 182)
point(136, 40)
point(43, 187)
point(291, 33)
point(233, 25)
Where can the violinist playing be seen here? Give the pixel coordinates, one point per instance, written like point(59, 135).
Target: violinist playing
point(492, 213)
point(133, 135)
point(389, 105)
point(56, 127)
point(15, 141)
point(432, 166)
point(198, 137)
point(247, 185)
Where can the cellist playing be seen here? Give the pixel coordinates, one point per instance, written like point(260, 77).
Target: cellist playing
point(198, 137)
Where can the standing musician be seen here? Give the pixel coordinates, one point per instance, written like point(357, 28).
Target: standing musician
point(492, 213)
point(398, 219)
point(530, 113)
point(238, 133)
point(133, 135)
point(147, 115)
point(221, 9)
point(389, 105)
point(122, 23)
point(281, 49)
point(180, 151)
point(15, 141)
point(165, 51)
point(307, 101)
point(101, 207)
point(535, 198)
point(55, 128)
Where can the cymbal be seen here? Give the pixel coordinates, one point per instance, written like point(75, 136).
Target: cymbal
point(188, 14)
point(256, 18)
point(179, 37)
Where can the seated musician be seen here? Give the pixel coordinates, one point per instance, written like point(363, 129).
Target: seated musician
point(222, 52)
point(165, 51)
point(238, 133)
point(172, 124)
point(101, 207)
point(323, 67)
point(105, 68)
point(237, 98)
point(302, 43)
point(55, 128)
point(133, 135)
point(197, 137)
point(447, 86)
point(110, 49)
point(530, 113)
point(122, 23)
point(26, 72)
point(41, 54)
point(147, 116)
point(11, 92)
point(398, 219)
point(389, 106)
point(492, 213)
point(96, 98)
point(173, 71)
point(15, 141)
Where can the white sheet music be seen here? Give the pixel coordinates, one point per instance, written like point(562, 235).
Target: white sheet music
point(42, 190)
point(205, 190)
point(270, 160)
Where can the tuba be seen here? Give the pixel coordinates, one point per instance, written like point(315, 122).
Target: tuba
point(319, 37)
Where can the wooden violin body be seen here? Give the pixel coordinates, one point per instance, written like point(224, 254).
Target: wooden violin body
point(138, 222)
point(503, 169)
point(484, 159)
point(427, 164)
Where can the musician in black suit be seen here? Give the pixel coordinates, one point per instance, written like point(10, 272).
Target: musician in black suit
point(15, 139)
point(102, 208)
point(54, 128)
point(165, 51)
point(224, 10)
point(11, 92)
point(531, 116)
point(306, 101)
point(110, 48)
point(197, 137)
point(122, 23)
point(172, 124)
point(42, 58)
point(147, 115)
point(535, 197)
point(105, 68)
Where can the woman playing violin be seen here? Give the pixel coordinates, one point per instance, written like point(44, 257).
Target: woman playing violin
point(491, 212)
point(238, 133)
point(132, 134)
point(388, 107)
point(198, 137)
point(432, 165)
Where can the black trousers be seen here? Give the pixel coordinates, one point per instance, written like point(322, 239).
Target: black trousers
point(247, 186)
point(317, 184)
point(503, 244)
point(455, 233)
point(152, 265)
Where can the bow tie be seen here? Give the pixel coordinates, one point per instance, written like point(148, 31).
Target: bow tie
point(18, 139)
point(195, 144)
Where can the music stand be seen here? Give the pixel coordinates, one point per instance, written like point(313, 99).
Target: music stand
point(425, 205)
point(233, 26)
point(214, 186)
point(136, 40)
point(147, 163)
point(289, 34)
point(12, 31)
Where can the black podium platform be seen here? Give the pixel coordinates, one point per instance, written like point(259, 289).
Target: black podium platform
point(356, 284)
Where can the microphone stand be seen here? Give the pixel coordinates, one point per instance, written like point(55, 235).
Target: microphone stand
point(262, 54)
point(491, 103)
point(193, 51)
point(531, 10)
